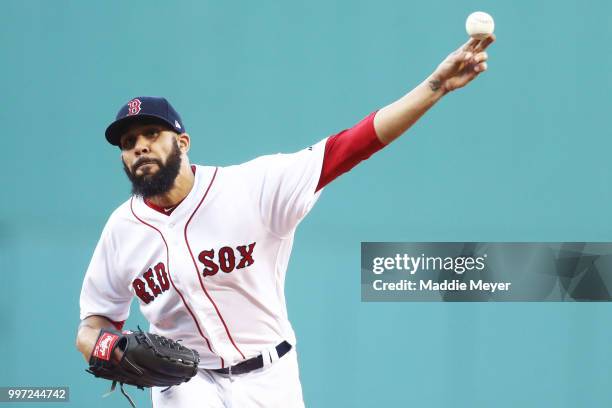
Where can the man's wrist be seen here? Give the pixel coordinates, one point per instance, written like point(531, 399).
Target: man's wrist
point(435, 86)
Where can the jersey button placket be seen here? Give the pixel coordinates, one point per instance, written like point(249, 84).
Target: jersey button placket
point(172, 234)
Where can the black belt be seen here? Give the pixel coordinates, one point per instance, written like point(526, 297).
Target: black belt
point(254, 363)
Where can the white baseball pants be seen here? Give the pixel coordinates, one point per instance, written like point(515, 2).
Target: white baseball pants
point(276, 385)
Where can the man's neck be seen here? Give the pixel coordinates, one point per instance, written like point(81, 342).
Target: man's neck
point(182, 186)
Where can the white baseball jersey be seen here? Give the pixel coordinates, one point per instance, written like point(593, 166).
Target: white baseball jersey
point(212, 272)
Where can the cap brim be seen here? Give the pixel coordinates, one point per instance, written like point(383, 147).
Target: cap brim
point(117, 128)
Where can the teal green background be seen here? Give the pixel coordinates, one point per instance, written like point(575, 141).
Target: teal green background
point(522, 154)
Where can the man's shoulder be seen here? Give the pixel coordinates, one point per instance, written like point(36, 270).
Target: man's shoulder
point(271, 160)
point(121, 214)
point(253, 164)
point(242, 169)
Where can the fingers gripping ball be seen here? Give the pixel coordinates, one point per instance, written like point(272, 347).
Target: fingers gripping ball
point(479, 25)
point(148, 360)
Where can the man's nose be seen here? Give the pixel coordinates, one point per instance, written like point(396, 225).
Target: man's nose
point(142, 145)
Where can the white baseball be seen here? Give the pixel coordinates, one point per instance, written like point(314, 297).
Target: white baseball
point(479, 25)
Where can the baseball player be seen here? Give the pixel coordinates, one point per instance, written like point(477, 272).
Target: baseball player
point(205, 249)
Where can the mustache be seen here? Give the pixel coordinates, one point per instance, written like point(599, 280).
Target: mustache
point(145, 160)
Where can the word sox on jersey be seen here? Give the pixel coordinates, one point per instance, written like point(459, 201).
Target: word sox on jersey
point(155, 280)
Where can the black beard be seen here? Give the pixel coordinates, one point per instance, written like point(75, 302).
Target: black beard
point(150, 185)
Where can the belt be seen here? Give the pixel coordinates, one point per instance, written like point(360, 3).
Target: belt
point(254, 363)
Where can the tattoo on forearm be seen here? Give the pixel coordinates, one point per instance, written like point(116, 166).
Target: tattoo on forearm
point(435, 84)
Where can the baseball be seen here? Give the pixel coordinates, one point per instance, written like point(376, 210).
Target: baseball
point(479, 25)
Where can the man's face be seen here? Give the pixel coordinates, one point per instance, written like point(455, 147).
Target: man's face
point(151, 158)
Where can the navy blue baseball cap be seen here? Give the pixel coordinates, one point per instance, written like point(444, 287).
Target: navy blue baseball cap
point(144, 109)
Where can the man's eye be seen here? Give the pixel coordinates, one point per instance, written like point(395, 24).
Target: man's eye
point(151, 132)
point(127, 143)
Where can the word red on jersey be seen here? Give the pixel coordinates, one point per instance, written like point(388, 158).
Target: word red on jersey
point(157, 284)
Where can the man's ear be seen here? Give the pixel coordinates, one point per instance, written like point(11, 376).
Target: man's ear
point(184, 142)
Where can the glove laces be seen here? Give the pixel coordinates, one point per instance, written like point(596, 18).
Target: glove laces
point(125, 394)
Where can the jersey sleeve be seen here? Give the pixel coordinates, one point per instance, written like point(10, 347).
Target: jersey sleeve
point(285, 186)
point(345, 150)
point(102, 292)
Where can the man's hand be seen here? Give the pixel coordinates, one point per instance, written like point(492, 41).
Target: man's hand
point(458, 69)
point(461, 66)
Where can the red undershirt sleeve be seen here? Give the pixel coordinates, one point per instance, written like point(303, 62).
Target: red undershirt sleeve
point(118, 325)
point(346, 149)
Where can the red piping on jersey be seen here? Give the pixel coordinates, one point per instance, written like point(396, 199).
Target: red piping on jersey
point(198, 270)
point(170, 276)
